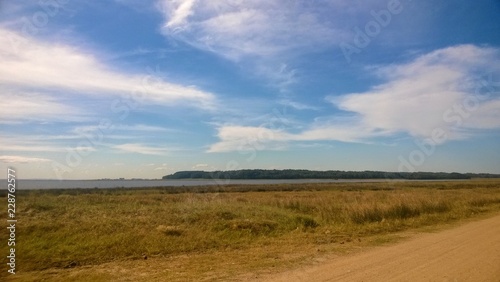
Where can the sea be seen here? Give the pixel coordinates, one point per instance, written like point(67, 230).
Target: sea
point(34, 184)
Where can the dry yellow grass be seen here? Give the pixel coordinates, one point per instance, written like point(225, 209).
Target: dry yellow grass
point(218, 233)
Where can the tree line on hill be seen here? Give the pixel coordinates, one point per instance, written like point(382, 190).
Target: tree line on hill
point(330, 174)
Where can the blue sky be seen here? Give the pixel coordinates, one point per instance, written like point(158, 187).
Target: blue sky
point(141, 89)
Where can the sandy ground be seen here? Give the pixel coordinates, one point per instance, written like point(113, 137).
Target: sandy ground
point(470, 252)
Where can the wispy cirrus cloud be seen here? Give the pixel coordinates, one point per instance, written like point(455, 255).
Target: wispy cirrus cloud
point(19, 106)
point(30, 147)
point(32, 143)
point(200, 166)
point(264, 36)
point(141, 149)
point(29, 143)
point(29, 63)
point(22, 159)
point(179, 11)
point(297, 105)
point(238, 29)
point(87, 129)
point(235, 29)
point(454, 90)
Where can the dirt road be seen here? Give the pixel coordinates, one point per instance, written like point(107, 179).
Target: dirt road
point(470, 252)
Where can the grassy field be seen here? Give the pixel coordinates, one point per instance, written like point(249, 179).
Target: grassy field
point(210, 233)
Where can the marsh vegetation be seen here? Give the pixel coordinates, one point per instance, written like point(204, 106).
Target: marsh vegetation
point(226, 230)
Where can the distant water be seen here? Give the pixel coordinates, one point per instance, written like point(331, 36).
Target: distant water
point(29, 184)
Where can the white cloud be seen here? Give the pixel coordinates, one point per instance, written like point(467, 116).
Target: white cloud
point(297, 105)
point(345, 131)
point(180, 12)
point(235, 29)
point(487, 117)
point(31, 106)
point(30, 147)
point(31, 63)
point(32, 143)
point(162, 167)
point(248, 138)
point(88, 129)
point(442, 90)
point(141, 127)
point(141, 149)
point(265, 36)
point(200, 166)
point(427, 94)
point(21, 159)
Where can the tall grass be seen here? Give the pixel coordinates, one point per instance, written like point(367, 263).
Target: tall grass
point(68, 228)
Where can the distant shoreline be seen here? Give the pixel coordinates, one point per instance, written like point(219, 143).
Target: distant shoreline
point(30, 184)
point(329, 174)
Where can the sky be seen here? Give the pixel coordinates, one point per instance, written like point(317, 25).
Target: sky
point(142, 89)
